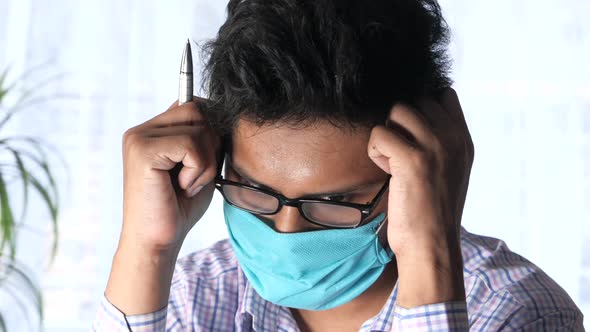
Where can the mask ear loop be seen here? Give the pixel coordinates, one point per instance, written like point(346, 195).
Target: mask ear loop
point(382, 242)
point(380, 226)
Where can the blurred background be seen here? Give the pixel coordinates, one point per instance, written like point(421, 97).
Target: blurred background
point(99, 67)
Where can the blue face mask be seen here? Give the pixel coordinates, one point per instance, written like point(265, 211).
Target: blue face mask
point(315, 270)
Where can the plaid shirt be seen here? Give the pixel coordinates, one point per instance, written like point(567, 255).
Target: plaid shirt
point(504, 291)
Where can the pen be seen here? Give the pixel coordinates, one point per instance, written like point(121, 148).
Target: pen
point(185, 85)
point(185, 94)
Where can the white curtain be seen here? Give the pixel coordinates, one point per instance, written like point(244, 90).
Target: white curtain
point(521, 71)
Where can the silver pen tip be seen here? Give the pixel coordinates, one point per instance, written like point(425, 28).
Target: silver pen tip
point(186, 66)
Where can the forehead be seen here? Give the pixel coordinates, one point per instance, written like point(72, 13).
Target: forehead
point(317, 155)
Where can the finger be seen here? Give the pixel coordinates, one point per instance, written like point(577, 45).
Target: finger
point(389, 150)
point(196, 100)
point(196, 158)
point(174, 131)
point(409, 123)
point(207, 143)
point(186, 114)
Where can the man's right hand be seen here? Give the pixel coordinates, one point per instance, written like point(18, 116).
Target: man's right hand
point(157, 216)
point(158, 212)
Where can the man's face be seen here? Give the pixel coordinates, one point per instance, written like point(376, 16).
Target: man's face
point(318, 159)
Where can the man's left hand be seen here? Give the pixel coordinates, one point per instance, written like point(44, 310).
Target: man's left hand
point(429, 153)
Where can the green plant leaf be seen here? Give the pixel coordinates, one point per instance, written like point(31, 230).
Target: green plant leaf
point(33, 69)
point(18, 297)
point(21, 106)
point(3, 76)
point(31, 165)
point(2, 324)
point(6, 220)
point(3, 90)
point(25, 95)
point(23, 283)
point(48, 193)
point(42, 162)
point(38, 145)
point(38, 87)
point(52, 209)
point(24, 175)
point(21, 78)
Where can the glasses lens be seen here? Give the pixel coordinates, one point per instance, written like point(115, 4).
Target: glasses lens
point(250, 199)
point(332, 215)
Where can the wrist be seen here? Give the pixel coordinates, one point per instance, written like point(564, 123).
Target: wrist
point(159, 262)
point(147, 254)
point(430, 272)
point(140, 279)
point(133, 242)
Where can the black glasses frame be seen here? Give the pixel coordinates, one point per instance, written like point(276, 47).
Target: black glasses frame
point(365, 209)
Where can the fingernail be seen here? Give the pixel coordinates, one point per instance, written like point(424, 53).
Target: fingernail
point(195, 190)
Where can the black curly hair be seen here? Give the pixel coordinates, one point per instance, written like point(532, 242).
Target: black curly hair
point(345, 61)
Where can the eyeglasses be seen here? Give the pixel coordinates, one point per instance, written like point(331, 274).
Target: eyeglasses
point(325, 213)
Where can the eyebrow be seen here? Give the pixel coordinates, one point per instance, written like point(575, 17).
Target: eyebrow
point(351, 189)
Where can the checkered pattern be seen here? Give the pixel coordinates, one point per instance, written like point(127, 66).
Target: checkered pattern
point(209, 292)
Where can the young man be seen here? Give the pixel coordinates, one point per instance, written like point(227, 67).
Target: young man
point(347, 162)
